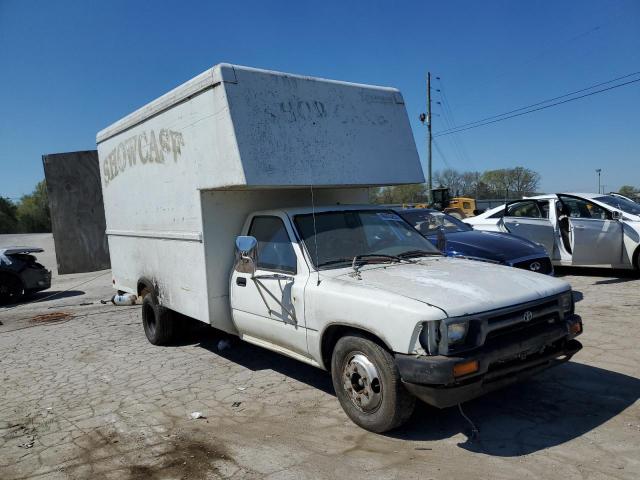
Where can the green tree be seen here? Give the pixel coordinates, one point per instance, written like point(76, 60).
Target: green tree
point(32, 211)
point(628, 191)
point(8, 220)
point(414, 193)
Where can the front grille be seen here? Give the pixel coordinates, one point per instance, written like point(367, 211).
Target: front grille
point(535, 309)
point(523, 330)
point(541, 316)
point(538, 265)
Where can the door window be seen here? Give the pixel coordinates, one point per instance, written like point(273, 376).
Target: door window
point(528, 209)
point(274, 250)
point(580, 208)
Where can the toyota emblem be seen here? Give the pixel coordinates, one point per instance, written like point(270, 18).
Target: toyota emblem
point(535, 266)
point(527, 316)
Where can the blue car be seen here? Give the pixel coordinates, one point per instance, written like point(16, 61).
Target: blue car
point(457, 239)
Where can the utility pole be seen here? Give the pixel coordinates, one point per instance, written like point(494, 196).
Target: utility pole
point(427, 118)
point(429, 140)
point(598, 171)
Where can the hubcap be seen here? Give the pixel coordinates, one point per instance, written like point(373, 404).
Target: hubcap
point(362, 383)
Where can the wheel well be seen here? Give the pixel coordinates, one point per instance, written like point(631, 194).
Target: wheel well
point(146, 284)
point(636, 258)
point(333, 333)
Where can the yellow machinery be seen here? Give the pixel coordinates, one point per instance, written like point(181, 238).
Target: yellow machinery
point(459, 207)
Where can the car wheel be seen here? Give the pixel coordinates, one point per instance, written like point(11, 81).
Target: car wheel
point(157, 321)
point(11, 289)
point(368, 385)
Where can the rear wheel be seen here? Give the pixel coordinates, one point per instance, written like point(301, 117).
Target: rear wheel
point(157, 321)
point(368, 385)
point(11, 289)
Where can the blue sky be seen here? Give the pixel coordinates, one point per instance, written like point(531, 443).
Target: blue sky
point(70, 68)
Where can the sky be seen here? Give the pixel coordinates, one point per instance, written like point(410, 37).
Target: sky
point(71, 68)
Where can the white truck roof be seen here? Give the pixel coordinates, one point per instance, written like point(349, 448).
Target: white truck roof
point(270, 129)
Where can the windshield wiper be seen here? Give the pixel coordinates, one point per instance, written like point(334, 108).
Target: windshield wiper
point(374, 255)
point(418, 253)
point(366, 257)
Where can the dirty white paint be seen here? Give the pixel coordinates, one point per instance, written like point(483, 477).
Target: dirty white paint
point(262, 137)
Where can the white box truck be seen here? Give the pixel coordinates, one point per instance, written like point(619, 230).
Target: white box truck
point(238, 199)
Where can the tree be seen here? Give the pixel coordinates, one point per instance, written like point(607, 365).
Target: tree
point(32, 211)
point(628, 191)
point(8, 220)
point(414, 193)
point(523, 181)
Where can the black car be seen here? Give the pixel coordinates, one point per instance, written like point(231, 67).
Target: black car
point(21, 274)
point(457, 239)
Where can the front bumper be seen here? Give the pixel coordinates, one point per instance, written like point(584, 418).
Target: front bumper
point(35, 280)
point(431, 378)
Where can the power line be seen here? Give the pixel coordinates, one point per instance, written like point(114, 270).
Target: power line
point(535, 109)
point(539, 103)
point(457, 141)
point(444, 159)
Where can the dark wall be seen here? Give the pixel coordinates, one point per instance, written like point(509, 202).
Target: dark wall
point(77, 211)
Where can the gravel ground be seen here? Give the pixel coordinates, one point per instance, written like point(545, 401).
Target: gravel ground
point(84, 395)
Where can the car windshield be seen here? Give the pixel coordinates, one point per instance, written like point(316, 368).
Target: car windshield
point(334, 239)
point(427, 222)
point(620, 203)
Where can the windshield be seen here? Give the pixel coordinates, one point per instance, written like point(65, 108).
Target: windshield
point(620, 203)
point(343, 235)
point(427, 222)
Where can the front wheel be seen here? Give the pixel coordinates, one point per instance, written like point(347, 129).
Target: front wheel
point(368, 385)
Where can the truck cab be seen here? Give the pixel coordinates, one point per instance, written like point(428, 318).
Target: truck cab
point(357, 291)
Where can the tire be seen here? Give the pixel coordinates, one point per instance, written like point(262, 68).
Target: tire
point(11, 289)
point(157, 321)
point(384, 403)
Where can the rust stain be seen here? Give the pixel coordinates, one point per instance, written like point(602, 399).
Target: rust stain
point(51, 317)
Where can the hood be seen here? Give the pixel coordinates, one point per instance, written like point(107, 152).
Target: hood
point(457, 286)
point(501, 247)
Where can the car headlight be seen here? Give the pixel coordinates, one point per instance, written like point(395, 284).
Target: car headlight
point(566, 302)
point(456, 332)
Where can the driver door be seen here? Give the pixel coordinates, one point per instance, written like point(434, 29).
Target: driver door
point(596, 239)
point(527, 219)
point(269, 306)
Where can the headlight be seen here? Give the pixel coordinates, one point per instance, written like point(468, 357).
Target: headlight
point(457, 331)
point(566, 302)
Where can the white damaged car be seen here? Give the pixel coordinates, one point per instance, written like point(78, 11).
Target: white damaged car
point(576, 229)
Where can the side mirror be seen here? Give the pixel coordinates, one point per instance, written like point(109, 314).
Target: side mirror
point(246, 254)
point(616, 215)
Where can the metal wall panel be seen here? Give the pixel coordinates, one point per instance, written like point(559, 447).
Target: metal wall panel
point(77, 211)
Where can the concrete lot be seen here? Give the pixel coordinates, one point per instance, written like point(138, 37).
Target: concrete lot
point(87, 396)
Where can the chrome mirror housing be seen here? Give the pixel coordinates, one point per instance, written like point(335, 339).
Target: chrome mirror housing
point(246, 254)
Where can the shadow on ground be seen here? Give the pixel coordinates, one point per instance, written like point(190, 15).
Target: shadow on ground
point(614, 276)
point(557, 406)
point(45, 295)
point(547, 410)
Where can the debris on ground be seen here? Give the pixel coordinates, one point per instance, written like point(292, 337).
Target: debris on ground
point(242, 388)
point(197, 415)
point(236, 404)
point(52, 317)
point(223, 345)
point(126, 299)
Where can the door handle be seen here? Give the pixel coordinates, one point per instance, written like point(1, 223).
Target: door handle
point(241, 281)
point(579, 227)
